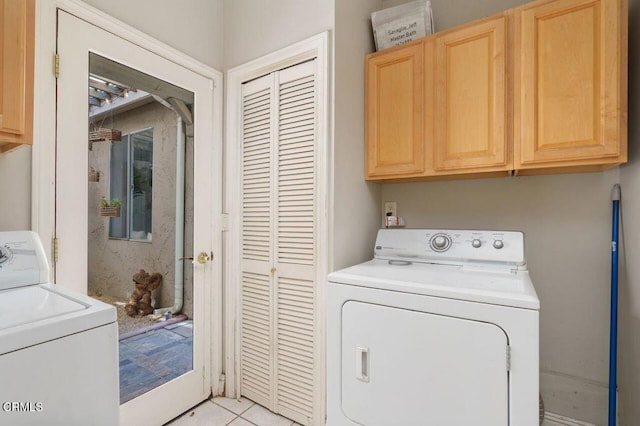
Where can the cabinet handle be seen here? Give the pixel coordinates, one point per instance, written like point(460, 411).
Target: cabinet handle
point(362, 364)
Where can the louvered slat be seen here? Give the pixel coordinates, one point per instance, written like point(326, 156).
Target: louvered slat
point(296, 172)
point(255, 349)
point(256, 175)
point(296, 221)
point(296, 345)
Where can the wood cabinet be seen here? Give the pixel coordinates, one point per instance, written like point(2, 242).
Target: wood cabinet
point(395, 112)
point(471, 103)
point(570, 84)
point(541, 88)
point(16, 72)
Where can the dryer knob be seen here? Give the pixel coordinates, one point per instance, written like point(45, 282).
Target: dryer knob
point(440, 242)
point(498, 244)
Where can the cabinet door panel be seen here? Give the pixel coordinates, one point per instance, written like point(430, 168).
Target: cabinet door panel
point(471, 108)
point(16, 72)
point(395, 112)
point(568, 82)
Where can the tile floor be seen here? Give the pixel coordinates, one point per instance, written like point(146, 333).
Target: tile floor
point(233, 412)
point(222, 411)
point(241, 412)
point(150, 359)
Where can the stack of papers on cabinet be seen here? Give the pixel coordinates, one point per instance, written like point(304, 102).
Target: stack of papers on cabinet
point(401, 24)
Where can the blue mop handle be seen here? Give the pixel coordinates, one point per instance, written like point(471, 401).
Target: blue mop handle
point(613, 335)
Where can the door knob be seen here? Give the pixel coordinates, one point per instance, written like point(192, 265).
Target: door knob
point(201, 259)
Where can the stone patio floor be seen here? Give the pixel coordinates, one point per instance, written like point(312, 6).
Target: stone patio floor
point(150, 359)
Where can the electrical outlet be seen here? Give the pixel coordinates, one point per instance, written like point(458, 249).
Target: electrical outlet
point(390, 207)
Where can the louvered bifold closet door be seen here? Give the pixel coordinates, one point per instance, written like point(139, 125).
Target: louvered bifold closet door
point(295, 241)
point(278, 331)
point(256, 341)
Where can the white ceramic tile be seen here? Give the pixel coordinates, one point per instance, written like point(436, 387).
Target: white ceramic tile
point(263, 417)
point(237, 406)
point(240, 422)
point(205, 414)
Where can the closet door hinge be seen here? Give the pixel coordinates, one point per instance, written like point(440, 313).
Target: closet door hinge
point(54, 250)
point(56, 65)
point(224, 222)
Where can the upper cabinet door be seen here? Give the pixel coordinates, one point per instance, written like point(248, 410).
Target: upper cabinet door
point(471, 121)
point(570, 83)
point(16, 72)
point(395, 112)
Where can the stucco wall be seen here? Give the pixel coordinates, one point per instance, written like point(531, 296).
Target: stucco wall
point(113, 262)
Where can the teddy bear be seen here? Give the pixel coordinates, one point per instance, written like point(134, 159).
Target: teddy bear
point(139, 303)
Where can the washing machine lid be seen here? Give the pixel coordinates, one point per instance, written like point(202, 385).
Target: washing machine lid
point(474, 283)
point(31, 315)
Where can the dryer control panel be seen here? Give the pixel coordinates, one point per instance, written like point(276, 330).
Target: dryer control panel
point(451, 246)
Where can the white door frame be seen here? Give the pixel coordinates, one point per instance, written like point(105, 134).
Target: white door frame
point(44, 149)
point(314, 47)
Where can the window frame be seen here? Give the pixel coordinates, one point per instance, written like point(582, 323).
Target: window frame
point(128, 210)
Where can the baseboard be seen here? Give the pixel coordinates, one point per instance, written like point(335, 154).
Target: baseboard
point(575, 397)
point(551, 419)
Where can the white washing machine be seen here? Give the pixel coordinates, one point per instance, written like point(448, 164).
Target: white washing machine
point(58, 349)
point(439, 329)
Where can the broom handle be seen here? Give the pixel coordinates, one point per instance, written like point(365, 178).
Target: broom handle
point(613, 335)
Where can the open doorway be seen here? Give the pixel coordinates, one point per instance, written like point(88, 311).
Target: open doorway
point(140, 219)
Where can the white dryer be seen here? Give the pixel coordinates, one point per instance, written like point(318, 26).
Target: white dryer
point(58, 349)
point(439, 329)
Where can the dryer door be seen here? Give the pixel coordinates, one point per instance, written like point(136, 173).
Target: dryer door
point(414, 368)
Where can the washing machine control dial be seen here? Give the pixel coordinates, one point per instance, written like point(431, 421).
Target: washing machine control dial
point(498, 244)
point(440, 242)
point(5, 254)
point(476, 243)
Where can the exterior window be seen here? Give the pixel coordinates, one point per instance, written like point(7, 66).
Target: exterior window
point(132, 182)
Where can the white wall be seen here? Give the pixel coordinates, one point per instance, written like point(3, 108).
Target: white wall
point(194, 27)
point(449, 13)
point(356, 208)
point(15, 189)
point(257, 27)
